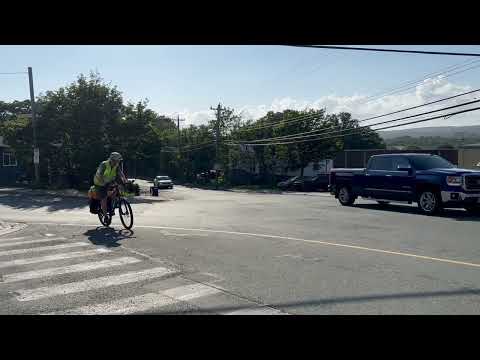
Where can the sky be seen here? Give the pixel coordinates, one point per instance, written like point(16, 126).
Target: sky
point(188, 80)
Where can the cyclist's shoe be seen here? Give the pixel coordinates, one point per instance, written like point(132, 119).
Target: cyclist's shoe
point(111, 213)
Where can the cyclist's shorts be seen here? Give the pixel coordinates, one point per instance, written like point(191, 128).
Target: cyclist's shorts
point(102, 192)
point(97, 192)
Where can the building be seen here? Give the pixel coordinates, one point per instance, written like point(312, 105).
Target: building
point(9, 169)
point(469, 156)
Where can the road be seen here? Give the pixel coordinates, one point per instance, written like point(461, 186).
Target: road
point(196, 251)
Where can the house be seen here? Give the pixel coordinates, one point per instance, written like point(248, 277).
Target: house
point(9, 169)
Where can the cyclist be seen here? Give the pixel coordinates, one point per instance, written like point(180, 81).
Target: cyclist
point(107, 172)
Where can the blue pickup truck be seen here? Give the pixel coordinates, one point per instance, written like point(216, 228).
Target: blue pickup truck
point(429, 180)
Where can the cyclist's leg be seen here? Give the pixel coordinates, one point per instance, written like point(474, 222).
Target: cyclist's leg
point(102, 190)
point(110, 208)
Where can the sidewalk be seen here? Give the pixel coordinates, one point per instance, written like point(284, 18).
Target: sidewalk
point(43, 192)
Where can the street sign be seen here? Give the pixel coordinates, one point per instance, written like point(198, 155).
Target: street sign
point(36, 156)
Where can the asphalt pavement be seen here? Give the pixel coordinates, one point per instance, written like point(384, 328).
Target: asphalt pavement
point(194, 251)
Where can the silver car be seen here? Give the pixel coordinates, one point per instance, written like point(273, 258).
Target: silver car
point(163, 182)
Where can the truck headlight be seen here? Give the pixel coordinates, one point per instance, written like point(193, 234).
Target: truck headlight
point(454, 180)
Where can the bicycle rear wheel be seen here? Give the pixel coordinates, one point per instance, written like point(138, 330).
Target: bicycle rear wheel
point(126, 213)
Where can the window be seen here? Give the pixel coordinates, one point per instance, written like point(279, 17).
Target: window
point(9, 159)
point(399, 161)
point(381, 163)
point(427, 162)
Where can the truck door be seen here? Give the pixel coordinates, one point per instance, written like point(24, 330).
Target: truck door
point(376, 176)
point(400, 184)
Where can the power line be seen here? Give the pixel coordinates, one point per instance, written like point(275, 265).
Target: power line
point(320, 131)
point(388, 50)
point(417, 81)
point(384, 122)
point(283, 122)
point(188, 150)
point(382, 94)
point(380, 123)
point(305, 117)
point(13, 73)
point(354, 131)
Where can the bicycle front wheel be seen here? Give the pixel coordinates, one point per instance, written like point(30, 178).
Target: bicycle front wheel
point(126, 213)
point(105, 220)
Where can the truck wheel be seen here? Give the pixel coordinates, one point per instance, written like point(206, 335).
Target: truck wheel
point(473, 210)
point(345, 196)
point(429, 202)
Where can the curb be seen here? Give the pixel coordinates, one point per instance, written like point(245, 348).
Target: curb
point(320, 194)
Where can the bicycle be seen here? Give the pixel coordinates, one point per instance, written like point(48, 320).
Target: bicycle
point(115, 200)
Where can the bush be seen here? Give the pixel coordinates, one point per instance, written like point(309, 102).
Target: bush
point(132, 188)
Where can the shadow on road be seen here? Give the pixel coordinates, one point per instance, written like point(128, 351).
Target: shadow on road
point(107, 236)
point(145, 200)
point(47, 202)
point(53, 203)
point(287, 306)
point(456, 214)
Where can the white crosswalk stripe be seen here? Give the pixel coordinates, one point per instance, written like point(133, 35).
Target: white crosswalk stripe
point(12, 239)
point(42, 248)
point(145, 302)
point(175, 292)
point(6, 244)
point(189, 292)
point(88, 266)
point(125, 306)
point(256, 311)
point(92, 284)
point(61, 256)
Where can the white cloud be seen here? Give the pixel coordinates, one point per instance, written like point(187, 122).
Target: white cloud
point(193, 118)
point(429, 90)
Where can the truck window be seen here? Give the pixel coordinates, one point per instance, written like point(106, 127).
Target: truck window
point(381, 163)
point(427, 162)
point(397, 160)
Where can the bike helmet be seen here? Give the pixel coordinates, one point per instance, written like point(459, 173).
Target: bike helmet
point(116, 156)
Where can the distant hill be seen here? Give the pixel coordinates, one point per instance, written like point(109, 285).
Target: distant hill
point(443, 131)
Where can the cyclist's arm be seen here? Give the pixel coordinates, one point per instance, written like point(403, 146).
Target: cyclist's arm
point(100, 172)
point(121, 176)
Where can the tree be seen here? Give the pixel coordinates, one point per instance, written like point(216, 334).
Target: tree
point(80, 124)
point(312, 136)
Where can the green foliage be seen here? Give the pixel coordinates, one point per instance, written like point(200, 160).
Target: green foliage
point(80, 124)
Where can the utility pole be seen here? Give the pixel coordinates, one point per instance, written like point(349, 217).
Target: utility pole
point(178, 131)
point(36, 152)
point(217, 137)
point(178, 143)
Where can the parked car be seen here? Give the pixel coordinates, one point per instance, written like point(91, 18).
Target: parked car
point(430, 180)
point(311, 183)
point(288, 184)
point(163, 182)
